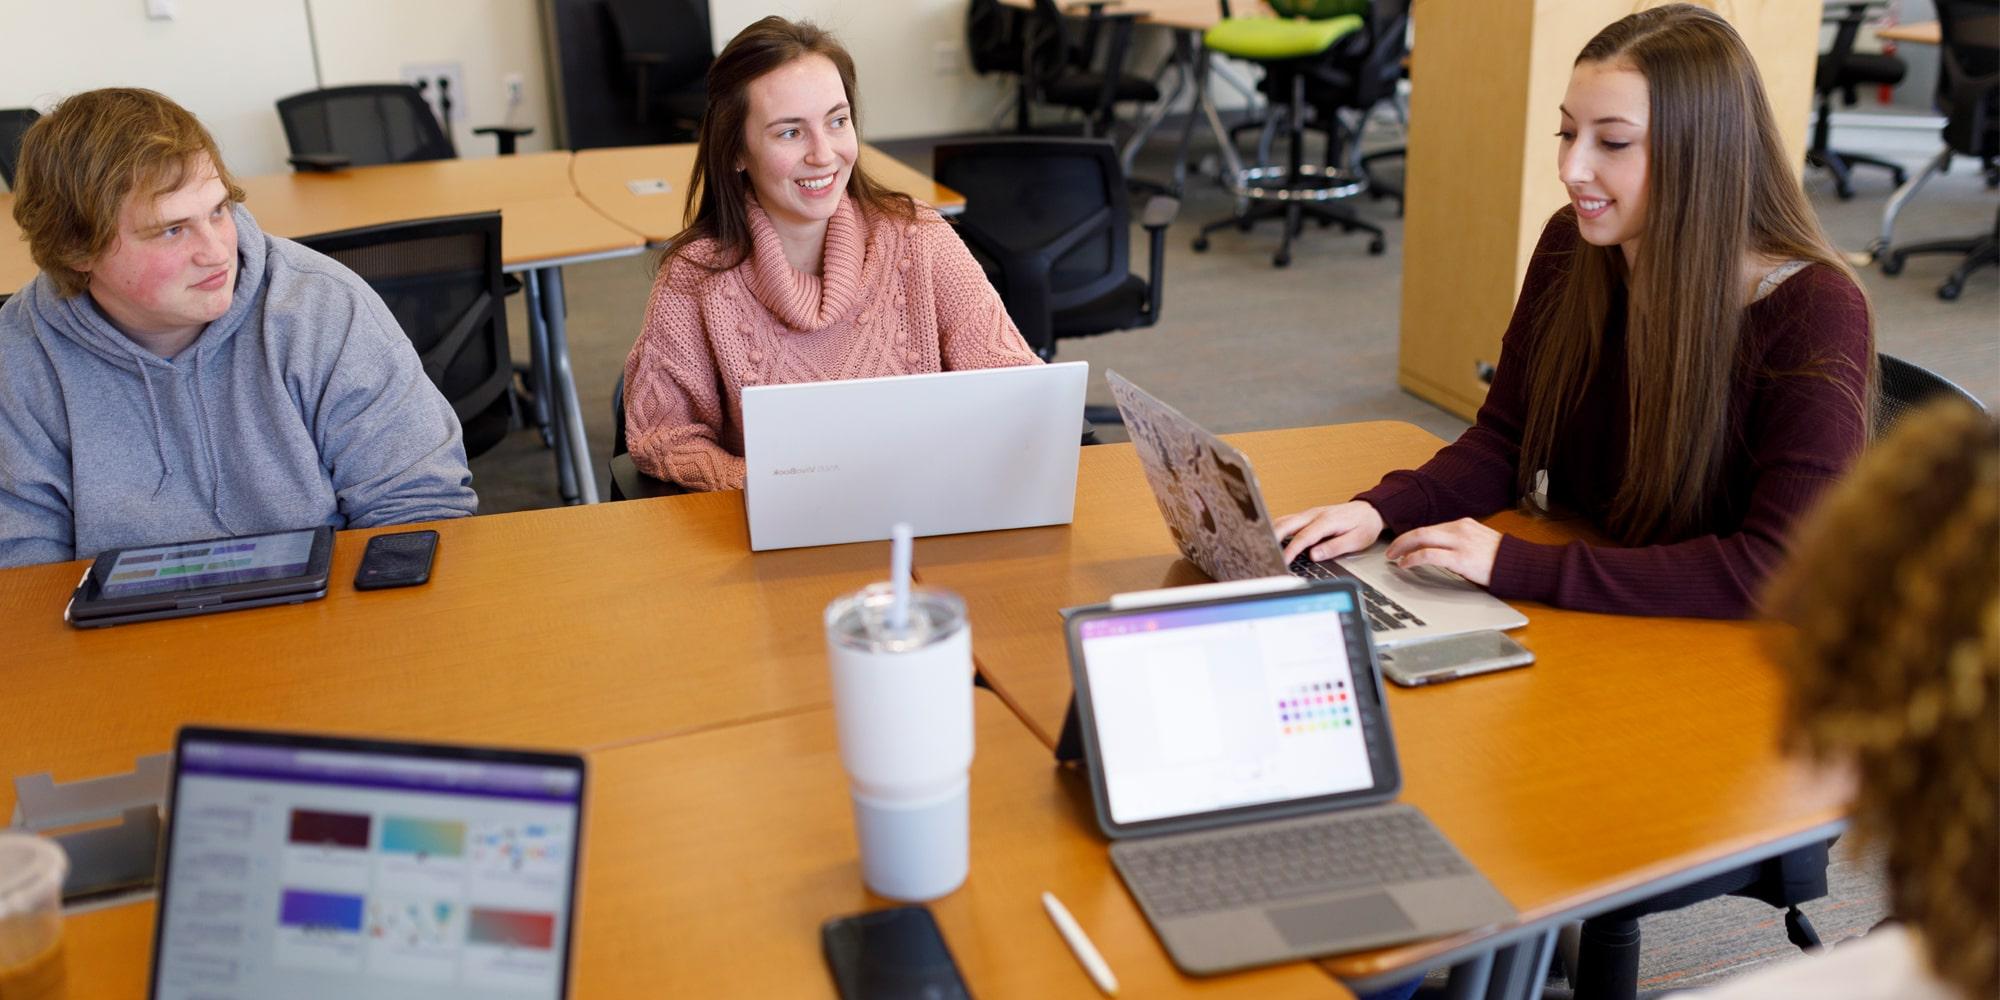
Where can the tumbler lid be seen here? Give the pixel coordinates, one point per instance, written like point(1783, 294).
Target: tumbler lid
point(861, 620)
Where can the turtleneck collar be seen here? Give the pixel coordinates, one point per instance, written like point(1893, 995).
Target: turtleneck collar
point(806, 302)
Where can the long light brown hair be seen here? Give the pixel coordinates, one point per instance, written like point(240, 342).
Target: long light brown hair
point(1719, 185)
point(718, 193)
point(1895, 667)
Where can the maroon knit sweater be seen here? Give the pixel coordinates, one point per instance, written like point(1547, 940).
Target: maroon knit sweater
point(1790, 435)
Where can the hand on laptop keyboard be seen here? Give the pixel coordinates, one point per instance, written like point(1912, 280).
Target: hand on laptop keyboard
point(1329, 531)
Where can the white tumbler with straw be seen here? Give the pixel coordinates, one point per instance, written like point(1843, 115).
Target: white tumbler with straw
point(902, 698)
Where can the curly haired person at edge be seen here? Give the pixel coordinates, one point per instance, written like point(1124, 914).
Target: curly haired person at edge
point(1689, 365)
point(798, 266)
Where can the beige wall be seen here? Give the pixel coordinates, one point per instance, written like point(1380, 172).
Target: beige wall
point(895, 45)
point(229, 61)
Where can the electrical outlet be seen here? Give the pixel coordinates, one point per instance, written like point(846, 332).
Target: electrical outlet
point(439, 82)
point(945, 59)
point(514, 83)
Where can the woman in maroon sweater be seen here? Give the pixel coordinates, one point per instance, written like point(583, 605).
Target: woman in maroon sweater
point(1689, 364)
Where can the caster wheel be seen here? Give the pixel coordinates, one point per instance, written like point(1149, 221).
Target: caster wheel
point(1949, 290)
point(1242, 225)
point(1282, 260)
point(1200, 244)
point(1892, 264)
point(1375, 247)
point(1845, 192)
point(1899, 177)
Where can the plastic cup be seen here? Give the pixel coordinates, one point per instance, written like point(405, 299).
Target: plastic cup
point(903, 705)
point(32, 870)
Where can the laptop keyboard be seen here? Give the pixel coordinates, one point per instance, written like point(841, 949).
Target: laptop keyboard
point(1384, 614)
point(1259, 865)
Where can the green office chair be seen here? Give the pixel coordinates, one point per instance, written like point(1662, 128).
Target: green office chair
point(1290, 47)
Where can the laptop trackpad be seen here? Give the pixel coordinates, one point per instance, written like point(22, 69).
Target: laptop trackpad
point(1339, 920)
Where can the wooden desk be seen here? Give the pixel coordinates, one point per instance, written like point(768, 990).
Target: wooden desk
point(571, 627)
point(1634, 754)
point(1916, 33)
point(712, 858)
point(600, 176)
point(542, 219)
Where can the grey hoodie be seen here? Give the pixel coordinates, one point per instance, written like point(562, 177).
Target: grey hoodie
point(303, 405)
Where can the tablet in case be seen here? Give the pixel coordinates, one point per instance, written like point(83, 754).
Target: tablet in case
point(144, 583)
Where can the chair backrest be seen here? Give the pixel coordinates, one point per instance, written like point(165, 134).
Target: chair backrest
point(1905, 387)
point(1363, 67)
point(14, 123)
point(369, 124)
point(441, 280)
point(1048, 218)
point(674, 30)
point(1969, 75)
point(993, 36)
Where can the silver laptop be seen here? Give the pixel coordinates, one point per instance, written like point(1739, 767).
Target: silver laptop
point(832, 462)
point(1209, 497)
point(1241, 761)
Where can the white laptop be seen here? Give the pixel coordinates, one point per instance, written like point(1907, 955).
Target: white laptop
point(833, 462)
point(1209, 497)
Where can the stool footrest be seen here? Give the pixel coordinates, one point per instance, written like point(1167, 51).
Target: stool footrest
point(1311, 183)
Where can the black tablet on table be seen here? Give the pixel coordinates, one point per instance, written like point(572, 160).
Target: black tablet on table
point(143, 583)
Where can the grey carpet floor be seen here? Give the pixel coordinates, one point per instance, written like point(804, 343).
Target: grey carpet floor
point(1244, 346)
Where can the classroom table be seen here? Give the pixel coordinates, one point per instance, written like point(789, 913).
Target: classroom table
point(1916, 33)
point(1637, 755)
point(644, 188)
point(568, 627)
point(711, 859)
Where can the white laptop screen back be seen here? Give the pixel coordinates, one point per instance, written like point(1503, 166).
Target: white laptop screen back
point(833, 462)
point(1221, 706)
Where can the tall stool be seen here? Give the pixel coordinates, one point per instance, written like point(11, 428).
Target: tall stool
point(1288, 47)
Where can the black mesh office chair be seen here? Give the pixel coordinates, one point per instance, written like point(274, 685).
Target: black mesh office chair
point(993, 40)
point(441, 280)
point(1062, 64)
point(362, 126)
point(665, 50)
point(1905, 387)
point(14, 123)
point(627, 482)
point(1048, 219)
point(1969, 93)
point(1844, 71)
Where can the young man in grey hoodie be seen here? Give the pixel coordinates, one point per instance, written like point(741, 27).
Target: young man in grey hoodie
point(174, 373)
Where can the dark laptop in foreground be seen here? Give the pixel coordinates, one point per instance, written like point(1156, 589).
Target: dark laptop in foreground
point(307, 867)
point(1241, 761)
point(1208, 494)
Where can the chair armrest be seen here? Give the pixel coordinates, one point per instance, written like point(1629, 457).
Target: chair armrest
point(1155, 218)
point(628, 483)
point(319, 163)
point(1159, 212)
point(505, 135)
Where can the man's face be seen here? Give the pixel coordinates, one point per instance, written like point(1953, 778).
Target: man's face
point(172, 268)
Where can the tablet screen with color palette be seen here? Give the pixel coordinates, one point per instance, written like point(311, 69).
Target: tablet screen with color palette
point(341, 870)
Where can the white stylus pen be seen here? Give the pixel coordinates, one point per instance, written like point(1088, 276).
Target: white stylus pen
point(1079, 944)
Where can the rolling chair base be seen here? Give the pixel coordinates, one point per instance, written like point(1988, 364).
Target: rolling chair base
point(1294, 214)
point(1841, 166)
point(1980, 252)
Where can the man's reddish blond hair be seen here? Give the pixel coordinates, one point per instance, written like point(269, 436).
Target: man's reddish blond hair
point(80, 162)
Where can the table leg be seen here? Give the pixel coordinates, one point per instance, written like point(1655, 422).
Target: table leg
point(1469, 978)
point(1183, 68)
point(568, 409)
point(545, 390)
point(1901, 197)
point(1520, 969)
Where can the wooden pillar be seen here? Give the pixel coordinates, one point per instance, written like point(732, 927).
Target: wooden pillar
point(1486, 79)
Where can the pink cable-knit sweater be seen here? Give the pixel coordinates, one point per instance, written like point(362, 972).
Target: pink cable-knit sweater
point(893, 298)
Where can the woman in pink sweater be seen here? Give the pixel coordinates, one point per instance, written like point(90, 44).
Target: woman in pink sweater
point(797, 268)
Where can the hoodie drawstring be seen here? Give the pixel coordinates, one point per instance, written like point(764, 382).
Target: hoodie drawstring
point(208, 445)
point(159, 431)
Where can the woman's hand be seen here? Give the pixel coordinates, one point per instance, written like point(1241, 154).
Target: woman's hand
point(1330, 531)
point(1464, 546)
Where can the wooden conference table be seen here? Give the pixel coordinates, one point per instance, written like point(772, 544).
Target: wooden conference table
point(1636, 755)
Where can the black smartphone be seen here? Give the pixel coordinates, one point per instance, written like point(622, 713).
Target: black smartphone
point(399, 560)
point(893, 954)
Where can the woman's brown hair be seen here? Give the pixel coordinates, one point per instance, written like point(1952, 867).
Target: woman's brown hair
point(1895, 589)
point(1719, 185)
point(81, 161)
point(718, 193)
